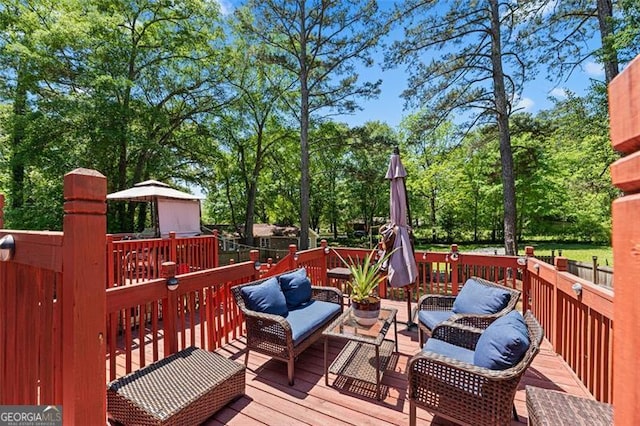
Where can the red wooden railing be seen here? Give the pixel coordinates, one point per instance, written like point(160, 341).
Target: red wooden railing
point(578, 321)
point(148, 321)
point(52, 309)
point(624, 114)
point(438, 272)
point(31, 320)
point(134, 261)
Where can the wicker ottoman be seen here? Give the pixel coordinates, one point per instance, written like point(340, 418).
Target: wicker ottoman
point(548, 407)
point(182, 389)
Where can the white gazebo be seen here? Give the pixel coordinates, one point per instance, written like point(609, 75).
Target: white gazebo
point(171, 210)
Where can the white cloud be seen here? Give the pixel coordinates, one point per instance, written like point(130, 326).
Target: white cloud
point(559, 93)
point(525, 104)
point(593, 69)
point(226, 7)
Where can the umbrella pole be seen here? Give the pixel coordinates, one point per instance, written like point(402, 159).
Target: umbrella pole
point(411, 326)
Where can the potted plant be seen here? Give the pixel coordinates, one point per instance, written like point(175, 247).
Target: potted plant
point(366, 276)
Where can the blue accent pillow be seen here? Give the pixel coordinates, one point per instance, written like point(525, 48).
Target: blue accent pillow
point(476, 298)
point(503, 344)
point(296, 287)
point(265, 297)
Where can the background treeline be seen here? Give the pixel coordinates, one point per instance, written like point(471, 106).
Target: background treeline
point(186, 94)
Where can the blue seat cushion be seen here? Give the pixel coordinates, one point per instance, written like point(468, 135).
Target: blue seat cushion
point(447, 349)
point(265, 297)
point(433, 318)
point(308, 317)
point(296, 287)
point(476, 298)
point(503, 344)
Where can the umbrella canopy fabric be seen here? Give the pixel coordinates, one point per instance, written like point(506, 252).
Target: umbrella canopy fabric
point(402, 268)
point(151, 190)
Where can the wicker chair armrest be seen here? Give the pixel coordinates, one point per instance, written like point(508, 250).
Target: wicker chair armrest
point(440, 366)
point(327, 294)
point(457, 334)
point(267, 320)
point(435, 302)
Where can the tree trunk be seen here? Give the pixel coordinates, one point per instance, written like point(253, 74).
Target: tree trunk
point(502, 116)
point(610, 55)
point(432, 205)
point(17, 141)
point(250, 213)
point(475, 217)
point(305, 182)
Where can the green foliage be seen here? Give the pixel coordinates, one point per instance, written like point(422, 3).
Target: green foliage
point(171, 91)
point(318, 43)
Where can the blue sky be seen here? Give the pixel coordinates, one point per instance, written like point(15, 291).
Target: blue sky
point(389, 106)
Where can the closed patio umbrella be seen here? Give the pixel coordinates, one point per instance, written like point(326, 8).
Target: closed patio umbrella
point(402, 268)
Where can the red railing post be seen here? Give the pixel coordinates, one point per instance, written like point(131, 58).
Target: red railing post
point(254, 256)
point(323, 271)
point(110, 263)
point(557, 316)
point(216, 241)
point(173, 249)
point(526, 281)
point(170, 315)
point(454, 259)
point(293, 264)
point(83, 298)
point(624, 107)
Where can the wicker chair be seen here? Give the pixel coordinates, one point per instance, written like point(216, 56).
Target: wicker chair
point(271, 334)
point(438, 302)
point(465, 393)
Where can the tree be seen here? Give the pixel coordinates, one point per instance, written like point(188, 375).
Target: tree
point(327, 171)
point(319, 42)
point(38, 43)
point(627, 39)
point(561, 32)
point(582, 153)
point(366, 162)
point(429, 164)
point(150, 76)
point(478, 68)
point(253, 125)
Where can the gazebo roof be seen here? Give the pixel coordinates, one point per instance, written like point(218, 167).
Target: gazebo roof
point(151, 190)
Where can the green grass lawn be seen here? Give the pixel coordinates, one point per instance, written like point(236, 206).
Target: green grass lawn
point(575, 251)
point(582, 252)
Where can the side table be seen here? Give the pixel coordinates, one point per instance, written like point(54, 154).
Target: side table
point(367, 352)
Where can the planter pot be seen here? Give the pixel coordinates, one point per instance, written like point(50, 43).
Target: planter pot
point(366, 312)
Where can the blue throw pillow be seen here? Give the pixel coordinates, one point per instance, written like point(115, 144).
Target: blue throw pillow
point(296, 287)
point(265, 297)
point(503, 344)
point(476, 298)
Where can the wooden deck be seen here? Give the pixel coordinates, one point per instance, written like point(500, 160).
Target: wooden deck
point(269, 400)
